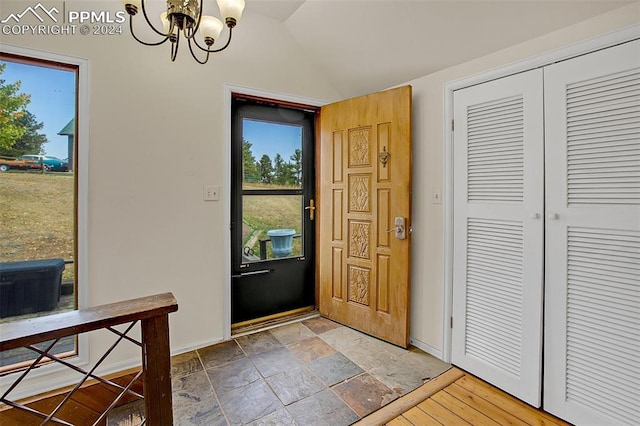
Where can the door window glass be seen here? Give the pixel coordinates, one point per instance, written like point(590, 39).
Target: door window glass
point(272, 200)
point(271, 155)
point(271, 227)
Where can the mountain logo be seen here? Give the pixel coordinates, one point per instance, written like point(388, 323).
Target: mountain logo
point(34, 11)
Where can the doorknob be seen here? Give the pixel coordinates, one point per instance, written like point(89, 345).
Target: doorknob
point(312, 209)
point(552, 216)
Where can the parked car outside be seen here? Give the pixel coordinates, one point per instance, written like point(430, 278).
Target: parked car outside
point(50, 164)
point(7, 163)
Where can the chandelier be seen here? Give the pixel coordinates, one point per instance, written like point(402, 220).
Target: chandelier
point(184, 18)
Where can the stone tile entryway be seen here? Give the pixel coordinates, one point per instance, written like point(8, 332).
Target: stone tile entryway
point(315, 372)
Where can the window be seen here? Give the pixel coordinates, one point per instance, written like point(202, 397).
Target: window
point(39, 193)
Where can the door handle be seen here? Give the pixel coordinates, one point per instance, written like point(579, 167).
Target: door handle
point(399, 228)
point(312, 209)
point(247, 274)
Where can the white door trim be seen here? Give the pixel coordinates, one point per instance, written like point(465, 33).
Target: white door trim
point(564, 53)
point(229, 90)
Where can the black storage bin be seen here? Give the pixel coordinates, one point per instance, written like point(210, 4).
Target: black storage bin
point(30, 286)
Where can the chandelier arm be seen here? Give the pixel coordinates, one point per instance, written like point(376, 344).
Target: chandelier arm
point(166, 37)
point(208, 50)
point(174, 48)
point(189, 33)
point(227, 44)
point(144, 12)
point(194, 55)
point(195, 30)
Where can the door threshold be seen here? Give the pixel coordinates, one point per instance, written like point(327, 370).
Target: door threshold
point(272, 321)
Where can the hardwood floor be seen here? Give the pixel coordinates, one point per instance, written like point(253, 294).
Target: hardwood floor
point(84, 407)
point(458, 398)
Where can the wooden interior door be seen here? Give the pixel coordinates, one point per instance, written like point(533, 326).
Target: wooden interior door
point(365, 184)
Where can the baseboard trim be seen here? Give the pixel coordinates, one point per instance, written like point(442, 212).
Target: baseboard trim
point(426, 348)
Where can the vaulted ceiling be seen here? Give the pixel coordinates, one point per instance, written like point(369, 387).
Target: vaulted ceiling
point(369, 45)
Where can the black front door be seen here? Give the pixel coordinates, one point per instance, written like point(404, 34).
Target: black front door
point(272, 230)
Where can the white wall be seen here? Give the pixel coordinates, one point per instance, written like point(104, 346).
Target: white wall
point(156, 132)
point(428, 141)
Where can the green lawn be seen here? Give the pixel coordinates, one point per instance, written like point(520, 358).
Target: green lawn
point(264, 212)
point(37, 217)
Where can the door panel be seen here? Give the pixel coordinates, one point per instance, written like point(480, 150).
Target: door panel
point(498, 233)
point(272, 232)
point(592, 305)
point(365, 184)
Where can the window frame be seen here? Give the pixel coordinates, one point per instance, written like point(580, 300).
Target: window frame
point(81, 170)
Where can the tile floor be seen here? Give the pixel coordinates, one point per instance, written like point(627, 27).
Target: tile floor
point(315, 372)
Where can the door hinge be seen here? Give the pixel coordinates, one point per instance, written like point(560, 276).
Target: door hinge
point(450, 322)
point(452, 126)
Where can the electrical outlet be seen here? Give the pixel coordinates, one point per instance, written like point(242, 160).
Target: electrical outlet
point(212, 193)
point(437, 199)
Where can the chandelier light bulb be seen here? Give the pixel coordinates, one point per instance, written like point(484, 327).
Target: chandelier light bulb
point(231, 11)
point(210, 28)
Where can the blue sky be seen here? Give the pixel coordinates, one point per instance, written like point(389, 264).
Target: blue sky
point(53, 100)
point(272, 138)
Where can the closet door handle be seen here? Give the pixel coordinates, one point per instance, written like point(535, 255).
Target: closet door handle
point(552, 216)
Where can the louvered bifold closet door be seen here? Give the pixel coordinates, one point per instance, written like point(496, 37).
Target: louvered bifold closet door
point(498, 207)
point(592, 302)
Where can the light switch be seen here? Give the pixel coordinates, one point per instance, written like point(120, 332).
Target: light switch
point(437, 199)
point(212, 193)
